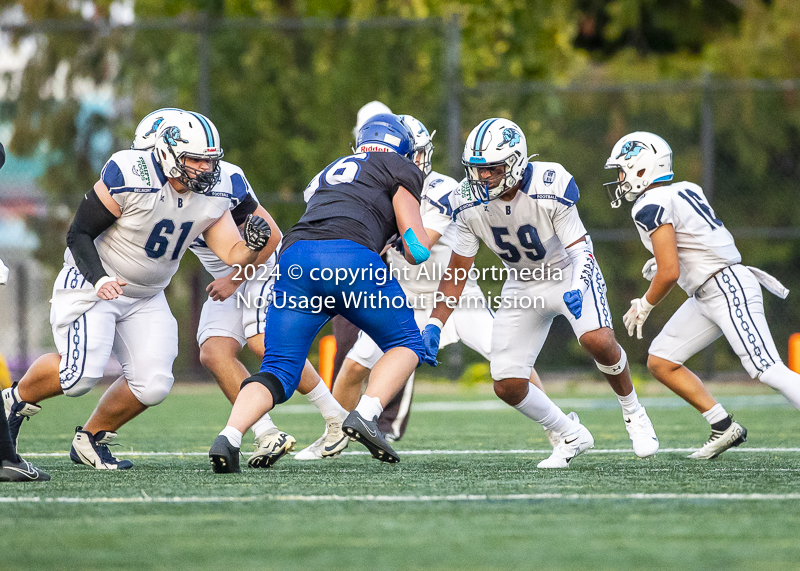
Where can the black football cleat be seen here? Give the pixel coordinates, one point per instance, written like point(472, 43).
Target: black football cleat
point(224, 457)
point(21, 471)
point(367, 433)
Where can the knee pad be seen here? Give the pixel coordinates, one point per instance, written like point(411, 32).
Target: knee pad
point(617, 368)
point(155, 391)
point(271, 382)
point(81, 387)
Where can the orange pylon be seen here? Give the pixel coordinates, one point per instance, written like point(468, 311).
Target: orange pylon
point(794, 352)
point(327, 353)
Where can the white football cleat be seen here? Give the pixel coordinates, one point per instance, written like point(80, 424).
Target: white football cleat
point(329, 445)
point(554, 437)
point(642, 434)
point(720, 441)
point(92, 450)
point(271, 447)
point(569, 446)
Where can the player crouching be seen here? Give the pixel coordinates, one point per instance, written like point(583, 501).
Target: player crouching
point(123, 248)
point(526, 213)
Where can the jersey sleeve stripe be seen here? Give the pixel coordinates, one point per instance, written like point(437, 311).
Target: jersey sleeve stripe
point(137, 190)
point(572, 193)
point(238, 186)
point(112, 176)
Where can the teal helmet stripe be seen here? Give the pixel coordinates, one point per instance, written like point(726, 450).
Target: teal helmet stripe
point(207, 127)
point(481, 134)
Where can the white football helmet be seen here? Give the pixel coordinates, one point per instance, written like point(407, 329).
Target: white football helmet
point(367, 112)
point(423, 143)
point(145, 135)
point(495, 142)
point(189, 134)
point(641, 159)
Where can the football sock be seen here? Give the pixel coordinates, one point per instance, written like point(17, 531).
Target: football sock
point(7, 451)
point(262, 425)
point(369, 407)
point(233, 436)
point(537, 406)
point(630, 403)
point(715, 414)
point(722, 425)
point(328, 407)
point(781, 378)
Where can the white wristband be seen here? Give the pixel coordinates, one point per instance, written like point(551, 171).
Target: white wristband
point(437, 322)
point(646, 305)
point(103, 281)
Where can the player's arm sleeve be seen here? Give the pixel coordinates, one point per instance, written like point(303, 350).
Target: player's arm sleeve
point(246, 207)
point(652, 215)
point(91, 220)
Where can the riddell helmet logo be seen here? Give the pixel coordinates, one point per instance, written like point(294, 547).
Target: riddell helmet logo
point(374, 149)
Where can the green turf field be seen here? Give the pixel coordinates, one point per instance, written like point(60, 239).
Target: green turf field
point(466, 496)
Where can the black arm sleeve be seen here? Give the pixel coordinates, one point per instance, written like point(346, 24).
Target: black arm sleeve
point(91, 220)
point(245, 208)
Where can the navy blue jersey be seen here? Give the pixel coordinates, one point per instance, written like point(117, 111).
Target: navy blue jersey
point(352, 199)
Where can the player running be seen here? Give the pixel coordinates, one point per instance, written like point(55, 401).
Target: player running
point(123, 247)
point(368, 197)
point(694, 249)
point(525, 212)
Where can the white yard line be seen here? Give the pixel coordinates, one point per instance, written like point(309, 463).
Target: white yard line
point(753, 401)
point(394, 499)
point(437, 452)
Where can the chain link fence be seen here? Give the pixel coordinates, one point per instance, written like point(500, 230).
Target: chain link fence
point(284, 96)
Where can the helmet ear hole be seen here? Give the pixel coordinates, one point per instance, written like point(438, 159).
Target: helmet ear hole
point(640, 173)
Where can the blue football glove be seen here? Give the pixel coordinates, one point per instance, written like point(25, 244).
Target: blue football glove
point(430, 340)
point(574, 301)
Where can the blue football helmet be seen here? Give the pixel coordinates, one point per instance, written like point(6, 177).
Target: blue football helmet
point(385, 132)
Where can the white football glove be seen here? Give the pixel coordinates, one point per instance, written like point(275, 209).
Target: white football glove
point(649, 269)
point(635, 317)
point(3, 273)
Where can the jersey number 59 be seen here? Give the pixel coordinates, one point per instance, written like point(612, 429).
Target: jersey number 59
point(528, 239)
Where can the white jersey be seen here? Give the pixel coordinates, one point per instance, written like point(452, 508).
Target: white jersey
point(234, 183)
point(437, 215)
point(144, 246)
point(704, 245)
point(529, 231)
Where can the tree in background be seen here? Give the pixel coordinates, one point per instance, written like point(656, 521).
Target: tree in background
point(284, 96)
